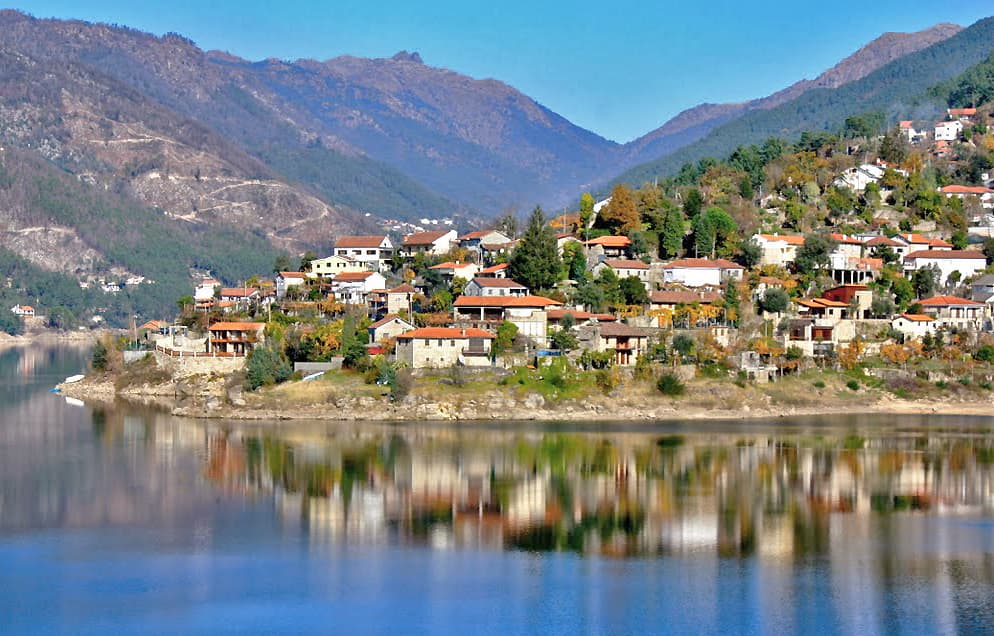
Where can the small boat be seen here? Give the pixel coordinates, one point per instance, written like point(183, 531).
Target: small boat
point(74, 402)
point(55, 390)
point(73, 378)
point(313, 376)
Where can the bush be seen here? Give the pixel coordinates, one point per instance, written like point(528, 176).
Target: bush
point(670, 384)
point(819, 384)
point(985, 353)
point(266, 366)
point(100, 356)
point(607, 379)
point(853, 385)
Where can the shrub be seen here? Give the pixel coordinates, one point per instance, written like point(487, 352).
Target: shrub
point(266, 366)
point(100, 356)
point(670, 384)
point(941, 384)
point(853, 385)
point(819, 384)
point(985, 353)
point(607, 379)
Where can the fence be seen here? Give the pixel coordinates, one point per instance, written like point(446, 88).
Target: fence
point(175, 353)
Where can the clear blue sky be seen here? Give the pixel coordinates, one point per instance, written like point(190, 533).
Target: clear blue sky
point(619, 68)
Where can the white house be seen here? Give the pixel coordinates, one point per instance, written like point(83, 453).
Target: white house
point(966, 262)
point(952, 311)
point(984, 195)
point(914, 326)
point(22, 310)
point(624, 268)
point(778, 249)
point(375, 252)
point(389, 327)
point(332, 266)
point(441, 347)
point(286, 280)
point(481, 286)
point(204, 290)
point(917, 242)
point(701, 272)
point(474, 240)
point(856, 179)
point(495, 271)
point(907, 129)
point(948, 130)
point(434, 243)
point(450, 270)
point(962, 114)
point(354, 287)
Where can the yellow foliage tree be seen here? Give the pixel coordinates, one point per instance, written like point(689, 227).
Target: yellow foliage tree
point(621, 214)
point(850, 355)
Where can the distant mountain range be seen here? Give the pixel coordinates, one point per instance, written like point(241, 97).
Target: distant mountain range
point(205, 145)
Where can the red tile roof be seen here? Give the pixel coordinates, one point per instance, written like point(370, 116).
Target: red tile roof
point(237, 326)
point(483, 281)
point(962, 189)
point(789, 239)
point(505, 301)
point(424, 238)
point(610, 241)
point(494, 269)
point(351, 277)
point(954, 254)
point(845, 239)
point(621, 329)
point(360, 241)
point(238, 292)
point(404, 288)
point(681, 297)
point(293, 275)
point(962, 112)
point(882, 240)
point(388, 318)
point(702, 263)
point(946, 301)
point(918, 317)
point(445, 333)
point(624, 263)
point(451, 265)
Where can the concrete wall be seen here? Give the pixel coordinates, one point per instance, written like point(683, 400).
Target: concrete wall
point(313, 367)
point(186, 366)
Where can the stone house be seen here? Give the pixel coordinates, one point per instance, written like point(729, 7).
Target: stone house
point(442, 347)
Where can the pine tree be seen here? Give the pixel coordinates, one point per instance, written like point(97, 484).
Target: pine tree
point(535, 262)
point(671, 236)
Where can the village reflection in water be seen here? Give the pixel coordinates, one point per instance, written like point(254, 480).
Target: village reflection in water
point(620, 494)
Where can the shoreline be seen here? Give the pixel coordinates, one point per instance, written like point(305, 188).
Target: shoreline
point(50, 337)
point(211, 406)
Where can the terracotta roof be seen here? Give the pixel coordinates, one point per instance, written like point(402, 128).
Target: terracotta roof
point(388, 318)
point(864, 264)
point(443, 333)
point(504, 301)
point(293, 275)
point(917, 317)
point(351, 277)
point(610, 241)
point(962, 189)
point(404, 288)
point(882, 240)
point(954, 254)
point(702, 263)
point(477, 234)
point(238, 291)
point(621, 329)
point(360, 241)
point(946, 301)
point(27, 308)
point(151, 324)
point(624, 263)
point(845, 239)
point(905, 124)
point(959, 112)
point(237, 326)
point(681, 297)
point(483, 281)
point(820, 303)
point(424, 238)
point(494, 269)
point(559, 314)
point(451, 265)
point(789, 239)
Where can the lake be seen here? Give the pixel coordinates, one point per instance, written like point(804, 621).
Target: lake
point(125, 520)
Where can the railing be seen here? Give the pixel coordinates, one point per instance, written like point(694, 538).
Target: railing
point(174, 353)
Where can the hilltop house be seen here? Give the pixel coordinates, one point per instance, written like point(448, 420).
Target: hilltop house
point(205, 289)
point(435, 243)
point(963, 114)
point(907, 129)
point(23, 310)
point(701, 272)
point(909, 242)
point(374, 252)
point(609, 246)
point(287, 280)
point(235, 338)
point(856, 179)
point(494, 287)
point(241, 297)
point(333, 265)
point(778, 249)
point(354, 287)
point(965, 262)
point(440, 347)
point(948, 130)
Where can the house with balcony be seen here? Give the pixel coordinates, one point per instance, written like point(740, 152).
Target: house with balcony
point(480, 286)
point(353, 288)
point(528, 313)
point(374, 252)
point(625, 342)
point(948, 130)
point(955, 312)
point(609, 246)
point(701, 272)
point(443, 347)
point(333, 265)
point(984, 196)
point(235, 339)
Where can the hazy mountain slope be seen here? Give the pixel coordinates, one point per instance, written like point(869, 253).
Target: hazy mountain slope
point(694, 123)
point(897, 88)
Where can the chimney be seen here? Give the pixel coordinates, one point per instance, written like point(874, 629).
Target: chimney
point(463, 333)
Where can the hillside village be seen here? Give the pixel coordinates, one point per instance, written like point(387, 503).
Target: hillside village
point(837, 252)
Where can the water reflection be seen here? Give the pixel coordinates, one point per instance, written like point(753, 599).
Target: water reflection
point(614, 494)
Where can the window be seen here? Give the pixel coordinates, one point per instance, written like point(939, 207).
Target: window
point(452, 343)
point(371, 252)
point(427, 342)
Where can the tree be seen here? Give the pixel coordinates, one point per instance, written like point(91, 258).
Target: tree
point(633, 291)
point(640, 247)
point(535, 262)
point(506, 334)
point(586, 210)
point(354, 354)
point(750, 252)
point(714, 231)
point(894, 147)
point(575, 262)
point(590, 296)
point(621, 214)
point(903, 290)
point(563, 338)
point(692, 203)
point(305, 260)
point(185, 301)
point(61, 318)
point(282, 263)
point(882, 306)
point(774, 301)
point(9, 323)
point(683, 344)
point(732, 300)
point(926, 280)
point(266, 366)
point(814, 254)
point(671, 236)
point(508, 223)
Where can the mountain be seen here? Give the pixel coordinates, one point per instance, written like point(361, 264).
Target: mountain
point(695, 123)
point(898, 89)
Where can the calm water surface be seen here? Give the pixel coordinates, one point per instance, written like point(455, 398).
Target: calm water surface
point(128, 521)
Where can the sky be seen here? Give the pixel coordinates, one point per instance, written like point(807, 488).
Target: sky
point(619, 68)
